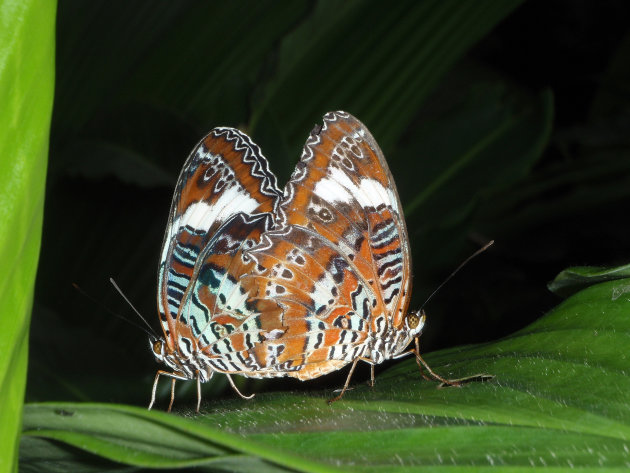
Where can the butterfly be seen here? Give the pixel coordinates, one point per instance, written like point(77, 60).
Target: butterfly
point(263, 282)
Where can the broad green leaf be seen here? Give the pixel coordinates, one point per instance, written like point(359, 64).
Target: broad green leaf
point(107, 160)
point(590, 183)
point(199, 61)
point(560, 399)
point(488, 124)
point(612, 95)
point(603, 180)
point(573, 279)
point(27, 58)
point(443, 167)
point(380, 69)
point(44, 455)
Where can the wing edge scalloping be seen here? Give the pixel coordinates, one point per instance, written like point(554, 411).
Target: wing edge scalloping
point(260, 169)
point(391, 201)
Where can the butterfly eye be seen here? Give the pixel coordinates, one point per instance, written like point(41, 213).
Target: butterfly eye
point(413, 320)
point(157, 347)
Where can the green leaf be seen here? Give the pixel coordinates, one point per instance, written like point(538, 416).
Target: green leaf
point(26, 94)
point(380, 69)
point(107, 160)
point(487, 124)
point(573, 279)
point(491, 126)
point(185, 57)
point(560, 399)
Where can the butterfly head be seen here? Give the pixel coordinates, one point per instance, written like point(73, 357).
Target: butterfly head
point(164, 354)
point(411, 327)
point(158, 347)
point(184, 365)
point(414, 322)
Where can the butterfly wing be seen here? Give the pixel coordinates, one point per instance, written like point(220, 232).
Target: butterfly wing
point(223, 201)
point(323, 316)
point(333, 271)
point(343, 190)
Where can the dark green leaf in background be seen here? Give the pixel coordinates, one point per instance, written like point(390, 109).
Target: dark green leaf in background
point(380, 68)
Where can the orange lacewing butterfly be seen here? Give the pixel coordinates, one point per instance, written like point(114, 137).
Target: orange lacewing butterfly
point(300, 282)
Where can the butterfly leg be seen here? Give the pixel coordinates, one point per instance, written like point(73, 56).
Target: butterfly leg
point(347, 383)
point(371, 383)
point(157, 377)
point(170, 404)
point(422, 363)
point(481, 377)
point(236, 389)
point(198, 392)
point(174, 377)
point(415, 352)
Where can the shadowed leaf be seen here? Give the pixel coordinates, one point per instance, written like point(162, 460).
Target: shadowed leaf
point(559, 394)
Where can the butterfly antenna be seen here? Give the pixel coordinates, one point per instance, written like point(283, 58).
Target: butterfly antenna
point(115, 314)
point(480, 250)
point(151, 331)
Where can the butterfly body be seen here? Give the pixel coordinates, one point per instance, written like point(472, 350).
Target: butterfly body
point(262, 282)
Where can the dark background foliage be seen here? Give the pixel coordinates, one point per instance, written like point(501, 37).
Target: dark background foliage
point(522, 138)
